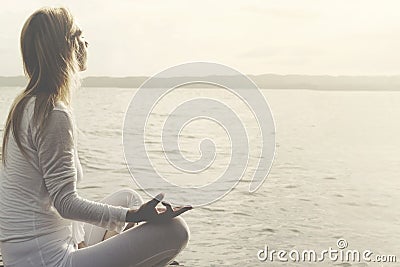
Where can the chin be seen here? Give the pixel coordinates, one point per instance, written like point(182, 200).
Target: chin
point(82, 68)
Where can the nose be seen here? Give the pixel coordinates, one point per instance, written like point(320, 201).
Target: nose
point(86, 44)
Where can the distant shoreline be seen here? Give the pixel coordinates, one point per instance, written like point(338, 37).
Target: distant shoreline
point(264, 81)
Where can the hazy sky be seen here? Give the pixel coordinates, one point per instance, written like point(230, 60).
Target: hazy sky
point(337, 37)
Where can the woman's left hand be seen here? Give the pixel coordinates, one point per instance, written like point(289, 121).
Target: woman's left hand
point(149, 212)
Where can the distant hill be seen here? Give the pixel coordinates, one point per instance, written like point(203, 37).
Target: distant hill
point(267, 81)
point(13, 81)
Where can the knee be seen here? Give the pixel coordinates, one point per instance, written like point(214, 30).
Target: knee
point(132, 197)
point(179, 231)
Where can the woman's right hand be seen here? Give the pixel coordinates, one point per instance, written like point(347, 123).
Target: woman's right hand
point(149, 213)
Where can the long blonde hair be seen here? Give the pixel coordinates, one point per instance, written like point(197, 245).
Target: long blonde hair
point(50, 54)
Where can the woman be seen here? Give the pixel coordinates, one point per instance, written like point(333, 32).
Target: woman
point(38, 198)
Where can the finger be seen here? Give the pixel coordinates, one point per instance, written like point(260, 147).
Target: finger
point(154, 202)
point(181, 210)
point(161, 210)
point(181, 207)
point(168, 206)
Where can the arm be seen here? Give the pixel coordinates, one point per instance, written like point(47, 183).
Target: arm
point(55, 145)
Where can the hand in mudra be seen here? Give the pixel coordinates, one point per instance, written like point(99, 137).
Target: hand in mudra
point(149, 213)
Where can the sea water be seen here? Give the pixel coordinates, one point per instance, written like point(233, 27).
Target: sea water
point(335, 174)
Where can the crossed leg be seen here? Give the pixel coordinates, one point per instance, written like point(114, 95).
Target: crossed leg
point(127, 198)
point(148, 244)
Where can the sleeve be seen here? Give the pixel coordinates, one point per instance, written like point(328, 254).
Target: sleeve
point(56, 153)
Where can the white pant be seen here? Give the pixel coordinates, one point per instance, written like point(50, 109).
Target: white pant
point(148, 244)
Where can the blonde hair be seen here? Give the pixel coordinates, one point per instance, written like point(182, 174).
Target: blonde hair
point(50, 53)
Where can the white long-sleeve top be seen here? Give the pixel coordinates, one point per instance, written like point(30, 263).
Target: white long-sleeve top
point(39, 196)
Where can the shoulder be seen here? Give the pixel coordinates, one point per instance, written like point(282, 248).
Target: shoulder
point(60, 117)
point(57, 125)
point(62, 107)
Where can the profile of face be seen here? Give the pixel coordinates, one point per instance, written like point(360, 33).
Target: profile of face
point(81, 52)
